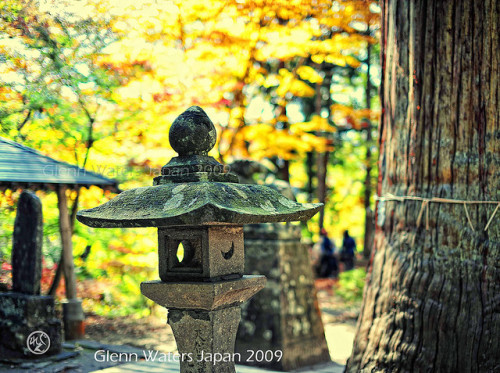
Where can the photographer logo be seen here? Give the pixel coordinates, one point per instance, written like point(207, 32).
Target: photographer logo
point(38, 342)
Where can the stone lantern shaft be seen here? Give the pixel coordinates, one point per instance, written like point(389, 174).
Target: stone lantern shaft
point(200, 209)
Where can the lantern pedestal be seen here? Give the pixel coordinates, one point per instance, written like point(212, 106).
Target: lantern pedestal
point(204, 317)
point(205, 339)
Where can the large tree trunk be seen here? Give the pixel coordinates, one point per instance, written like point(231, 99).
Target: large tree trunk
point(432, 297)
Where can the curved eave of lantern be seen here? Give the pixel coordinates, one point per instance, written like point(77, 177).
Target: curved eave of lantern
point(196, 203)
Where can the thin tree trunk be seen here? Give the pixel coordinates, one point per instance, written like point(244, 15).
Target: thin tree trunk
point(322, 161)
point(369, 224)
point(310, 176)
point(322, 167)
point(431, 301)
point(57, 277)
point(67, 245)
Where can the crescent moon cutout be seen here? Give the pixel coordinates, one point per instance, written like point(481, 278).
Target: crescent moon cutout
point(228, 254)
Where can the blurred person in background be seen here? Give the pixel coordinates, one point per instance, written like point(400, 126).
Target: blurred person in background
point(347, 254)
point(328, 263)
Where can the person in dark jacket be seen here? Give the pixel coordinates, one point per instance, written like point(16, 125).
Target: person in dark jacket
point(328, 263)
point(347, 254)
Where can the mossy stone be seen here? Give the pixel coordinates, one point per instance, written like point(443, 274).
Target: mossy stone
point(192, 133)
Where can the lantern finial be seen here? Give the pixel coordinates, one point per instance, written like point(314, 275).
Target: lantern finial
point(192, 133)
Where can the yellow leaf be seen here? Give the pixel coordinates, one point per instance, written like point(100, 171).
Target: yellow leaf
point(308, 73)
point(316, 123)
point(353, 62)
point(317, 58)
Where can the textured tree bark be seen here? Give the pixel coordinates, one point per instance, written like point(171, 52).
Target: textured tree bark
point(432, 297)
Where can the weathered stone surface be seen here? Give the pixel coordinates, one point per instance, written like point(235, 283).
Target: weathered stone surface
point(202, 295)
point(27, 245)
point(209, 252)
point(193, 168)
point(23, 310)
point(284, 315)
point(182, 175)
point(192, 132)
point(22, 314)
point(196, 204)
point(193, 163)
point(206, 338)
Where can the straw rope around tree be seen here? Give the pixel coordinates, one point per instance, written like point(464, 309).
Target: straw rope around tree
point(426, 201)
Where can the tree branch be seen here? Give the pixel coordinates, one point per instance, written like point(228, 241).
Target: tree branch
point(23, 123)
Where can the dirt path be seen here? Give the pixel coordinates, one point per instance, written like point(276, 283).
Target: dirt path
point(153, 333)
point(120, 335)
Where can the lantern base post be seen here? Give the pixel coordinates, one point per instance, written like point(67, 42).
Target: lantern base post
point(205, 339)
point(204, 317)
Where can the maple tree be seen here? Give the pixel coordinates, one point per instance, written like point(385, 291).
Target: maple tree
point(53, 87)
point(225, 54)
point(251, 62)
point(271, 75)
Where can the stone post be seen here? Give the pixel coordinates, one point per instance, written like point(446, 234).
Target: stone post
point(27, 245)
point(284, 316)
point(200, 209)
point(24, 311)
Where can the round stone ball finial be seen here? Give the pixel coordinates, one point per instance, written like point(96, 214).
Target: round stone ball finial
point(192, 133)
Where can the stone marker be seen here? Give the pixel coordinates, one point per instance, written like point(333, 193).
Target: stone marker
point(199, 209)
point(284, 316)
point(27, 245)
point(23, 311)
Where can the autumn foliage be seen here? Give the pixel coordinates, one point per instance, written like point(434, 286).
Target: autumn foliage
point(98, 84)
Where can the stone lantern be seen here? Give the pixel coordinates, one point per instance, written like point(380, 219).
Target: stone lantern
point(199, 209)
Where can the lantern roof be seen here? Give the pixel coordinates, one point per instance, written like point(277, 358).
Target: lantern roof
point(195, 189)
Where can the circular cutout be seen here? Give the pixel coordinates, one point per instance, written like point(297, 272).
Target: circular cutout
point(184, 252)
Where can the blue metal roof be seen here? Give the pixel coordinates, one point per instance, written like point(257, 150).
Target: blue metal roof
point(23, 166)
